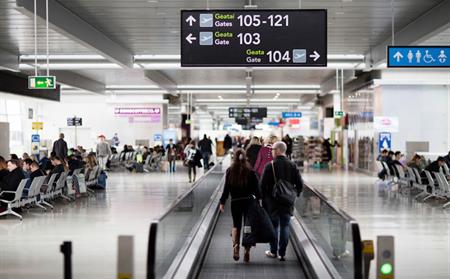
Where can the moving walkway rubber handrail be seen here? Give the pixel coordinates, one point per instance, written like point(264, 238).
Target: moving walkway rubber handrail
point(354, 226)
point(174, 204)
point(151, 248)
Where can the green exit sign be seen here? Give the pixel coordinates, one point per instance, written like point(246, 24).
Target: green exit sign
point(42, 82)
point(338, 113)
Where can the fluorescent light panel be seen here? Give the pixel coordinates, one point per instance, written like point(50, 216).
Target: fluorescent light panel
point(72, 66)
point(64, 57)
point(118, 87)
point(245, 100)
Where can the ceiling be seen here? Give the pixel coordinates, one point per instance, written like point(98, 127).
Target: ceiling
point(151, 27)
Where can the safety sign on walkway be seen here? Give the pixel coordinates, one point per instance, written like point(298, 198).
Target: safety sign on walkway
point(218, 38)
point(418, 56)
point(384, 141)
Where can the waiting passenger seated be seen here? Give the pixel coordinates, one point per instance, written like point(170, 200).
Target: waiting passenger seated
point(45, 164)
point(12, 180)
point(433, 167)
point(395, 161)
point(91, 162)
point(35, 170)
point(3, 168)
point(58, 167)
point(74, 162)
point(383, 157)
point(145, 154)
point(447, 159)
point(416, 163)
point(14, 157)
point(26, 167)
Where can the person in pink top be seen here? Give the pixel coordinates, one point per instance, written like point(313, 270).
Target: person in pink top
point(264, 155)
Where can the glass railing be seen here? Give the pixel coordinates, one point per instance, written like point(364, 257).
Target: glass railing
point(178, 225)
point(334, 233)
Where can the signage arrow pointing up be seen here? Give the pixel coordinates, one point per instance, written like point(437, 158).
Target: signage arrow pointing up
point(190, 38)
point(398, 56)
point(191, 20)
point(316, 56)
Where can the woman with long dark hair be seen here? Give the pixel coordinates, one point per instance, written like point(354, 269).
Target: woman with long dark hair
point(242, 183)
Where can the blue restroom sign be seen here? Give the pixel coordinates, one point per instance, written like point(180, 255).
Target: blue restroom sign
point(418, 57)
point(384, 141)
point(35, 138)
point(157, 137)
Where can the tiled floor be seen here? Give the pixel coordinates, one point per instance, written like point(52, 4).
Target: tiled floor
point(421, 230)
point(30, 249)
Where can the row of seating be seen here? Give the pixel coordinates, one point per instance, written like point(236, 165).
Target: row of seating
point(152, 162)
point(436, 187)
point(41, 193)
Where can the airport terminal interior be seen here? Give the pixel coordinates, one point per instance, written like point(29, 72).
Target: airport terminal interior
point(224, 139)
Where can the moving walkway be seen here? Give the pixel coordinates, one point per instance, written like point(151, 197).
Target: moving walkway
point(192, 239)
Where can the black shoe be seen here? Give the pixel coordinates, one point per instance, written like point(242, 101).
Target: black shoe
point(282, 258)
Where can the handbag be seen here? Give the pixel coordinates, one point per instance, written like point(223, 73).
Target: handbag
point(283, 191)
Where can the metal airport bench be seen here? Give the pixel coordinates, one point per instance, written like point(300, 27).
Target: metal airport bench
point(40, 194)
point(191, 240)
point(411, 181)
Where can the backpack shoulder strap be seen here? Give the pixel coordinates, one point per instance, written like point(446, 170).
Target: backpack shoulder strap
point(273, 169)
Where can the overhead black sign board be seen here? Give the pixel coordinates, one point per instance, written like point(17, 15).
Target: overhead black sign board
point(17, 83)
point(74, 121)
point(269, 38)
point(247, 112)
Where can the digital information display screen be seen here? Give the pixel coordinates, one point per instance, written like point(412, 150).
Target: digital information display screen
point(269, 38)
point(242, 112)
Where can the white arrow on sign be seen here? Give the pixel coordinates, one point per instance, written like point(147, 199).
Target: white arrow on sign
point(398, 56)
point(190, 38)
point(191, 20)
point(316, 56)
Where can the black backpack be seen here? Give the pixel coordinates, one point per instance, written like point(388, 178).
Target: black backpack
point(283, 191)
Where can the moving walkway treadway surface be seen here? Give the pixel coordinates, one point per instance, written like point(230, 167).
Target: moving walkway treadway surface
point(219, 263)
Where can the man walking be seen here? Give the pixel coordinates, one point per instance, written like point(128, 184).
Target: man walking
point(227, 143)
point(60, 147)
point(281, 169)
point(206, 150)
point(103, 151)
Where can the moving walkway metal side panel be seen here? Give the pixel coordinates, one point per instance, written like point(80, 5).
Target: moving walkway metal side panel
point(218, 262)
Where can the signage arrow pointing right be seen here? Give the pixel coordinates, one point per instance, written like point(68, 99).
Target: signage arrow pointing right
point(316, 56)
point(191, 20)
point(398, 56)
point(190, 38)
